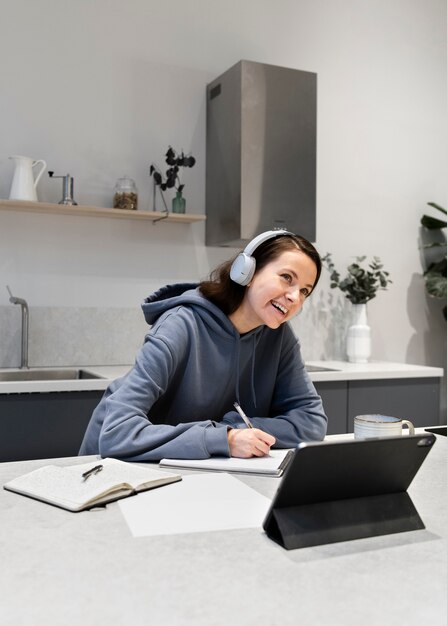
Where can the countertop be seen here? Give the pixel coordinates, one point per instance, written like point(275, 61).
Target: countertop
point(342, 370)
point(86, 568)
point(335, 371)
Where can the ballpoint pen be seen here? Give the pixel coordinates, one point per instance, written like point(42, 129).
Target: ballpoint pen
point(90, 472)
point(243, 416)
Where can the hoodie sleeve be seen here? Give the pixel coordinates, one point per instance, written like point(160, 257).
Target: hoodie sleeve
point(120, 427)
point(296, 412)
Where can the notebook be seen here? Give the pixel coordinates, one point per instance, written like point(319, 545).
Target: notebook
point(79, 487)
point(273, 464)
point(342, 490)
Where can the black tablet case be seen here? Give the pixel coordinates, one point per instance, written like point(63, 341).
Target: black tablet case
point(346, 490)
point(438, 430)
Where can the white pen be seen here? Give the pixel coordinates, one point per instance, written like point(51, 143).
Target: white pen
point(242, 414)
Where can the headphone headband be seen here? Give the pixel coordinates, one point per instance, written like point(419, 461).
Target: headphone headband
point(257, 241)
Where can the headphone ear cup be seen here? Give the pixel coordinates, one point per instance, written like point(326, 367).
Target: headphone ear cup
point(244, 265)
point(242, 269)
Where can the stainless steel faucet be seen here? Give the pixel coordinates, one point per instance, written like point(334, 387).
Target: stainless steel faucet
point(25, 327)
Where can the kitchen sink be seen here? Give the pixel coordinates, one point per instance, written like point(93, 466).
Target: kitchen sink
point(37, 374)
point(317, 368)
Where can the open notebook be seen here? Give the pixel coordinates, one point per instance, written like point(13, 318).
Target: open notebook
point(273, 464)
point(68, 488)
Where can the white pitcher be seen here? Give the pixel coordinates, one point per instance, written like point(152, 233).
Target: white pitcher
point(23, 186)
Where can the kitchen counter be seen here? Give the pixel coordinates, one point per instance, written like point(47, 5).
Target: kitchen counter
point(86, 568)
point(105, 373)
point(375, 370)
point(333, 371)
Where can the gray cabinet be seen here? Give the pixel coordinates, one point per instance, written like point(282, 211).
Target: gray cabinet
point(416, 399)
point(48, 425)
point(44, 425)
point(335, 402)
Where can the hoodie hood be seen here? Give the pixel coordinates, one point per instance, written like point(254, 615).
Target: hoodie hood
point(187, 294)
point(167, 298)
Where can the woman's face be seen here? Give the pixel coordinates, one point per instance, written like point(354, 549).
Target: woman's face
point(277, 292)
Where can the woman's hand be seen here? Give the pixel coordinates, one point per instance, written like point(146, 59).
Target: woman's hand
point(247, 442)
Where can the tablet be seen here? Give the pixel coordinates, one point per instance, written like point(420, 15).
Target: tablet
point(341, 490)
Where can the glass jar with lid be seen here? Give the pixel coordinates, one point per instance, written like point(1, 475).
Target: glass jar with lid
point(125, 194)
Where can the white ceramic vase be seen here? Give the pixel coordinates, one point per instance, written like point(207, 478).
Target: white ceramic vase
point(358, 344)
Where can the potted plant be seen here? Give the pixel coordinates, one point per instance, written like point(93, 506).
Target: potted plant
point(435, 275)
point(172, 180)
point(360, 285)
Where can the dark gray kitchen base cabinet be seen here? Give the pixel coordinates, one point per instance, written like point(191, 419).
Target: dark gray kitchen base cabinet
point(415, 399)
point(44, 425)
point(47, 425)
point(335, 402)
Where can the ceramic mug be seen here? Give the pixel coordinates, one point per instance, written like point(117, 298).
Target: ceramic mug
point(368, 426)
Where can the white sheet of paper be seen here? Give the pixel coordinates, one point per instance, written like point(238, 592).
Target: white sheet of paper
point(201, 503)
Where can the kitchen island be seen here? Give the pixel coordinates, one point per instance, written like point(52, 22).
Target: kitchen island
point(86, 568)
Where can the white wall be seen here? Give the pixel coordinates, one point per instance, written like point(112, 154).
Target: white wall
point(100, 88)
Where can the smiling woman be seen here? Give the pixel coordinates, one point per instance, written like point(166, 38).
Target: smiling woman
point(224, 287)
point(224, 340)
point(276, 292)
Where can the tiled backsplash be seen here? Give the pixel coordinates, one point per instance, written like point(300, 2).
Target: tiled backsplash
point(60, 336)
point(67, 336)
point(321, 327)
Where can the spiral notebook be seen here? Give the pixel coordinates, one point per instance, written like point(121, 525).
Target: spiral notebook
point(272, 464)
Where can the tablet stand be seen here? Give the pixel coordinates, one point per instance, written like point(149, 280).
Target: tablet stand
point(320, 523)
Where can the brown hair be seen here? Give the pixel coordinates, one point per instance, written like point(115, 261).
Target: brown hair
point(228, 295)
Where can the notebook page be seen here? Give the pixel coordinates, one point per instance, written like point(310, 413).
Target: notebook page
point(67, 487)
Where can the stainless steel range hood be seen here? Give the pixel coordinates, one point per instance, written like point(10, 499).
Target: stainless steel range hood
point(260, 153)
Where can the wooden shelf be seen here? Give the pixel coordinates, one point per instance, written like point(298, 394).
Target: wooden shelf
point(94, 211)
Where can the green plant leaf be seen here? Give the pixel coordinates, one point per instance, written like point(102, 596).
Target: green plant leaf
point(438, 267)
point(359, 285)
point(436, 206)
point(436, 285)
point(436, 275)
point(175, 161)
point(432, 223)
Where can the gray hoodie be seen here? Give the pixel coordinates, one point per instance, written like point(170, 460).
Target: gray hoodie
point(177, 400)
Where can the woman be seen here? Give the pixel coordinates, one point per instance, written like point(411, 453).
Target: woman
point(210, 345)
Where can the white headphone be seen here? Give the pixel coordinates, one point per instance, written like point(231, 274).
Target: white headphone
point(244, 265)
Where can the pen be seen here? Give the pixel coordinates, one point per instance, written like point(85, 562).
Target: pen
point(242, 414)
point(90, 472)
